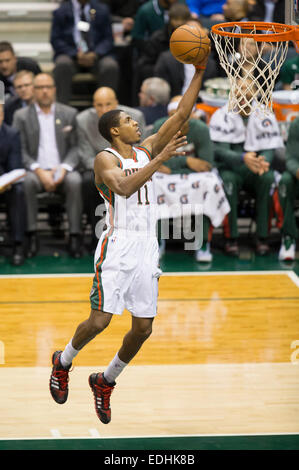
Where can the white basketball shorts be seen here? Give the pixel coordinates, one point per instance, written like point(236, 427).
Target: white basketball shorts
point(126, 276)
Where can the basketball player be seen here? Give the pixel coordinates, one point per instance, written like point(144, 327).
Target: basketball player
point(126, 258)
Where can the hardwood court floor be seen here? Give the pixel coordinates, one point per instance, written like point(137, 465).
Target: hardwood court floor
point(218, 362)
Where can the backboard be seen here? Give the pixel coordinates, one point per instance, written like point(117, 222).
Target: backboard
point(292, 12)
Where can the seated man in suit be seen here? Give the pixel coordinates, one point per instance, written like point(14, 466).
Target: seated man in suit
point(12, 195)
point(158, 42)
point(154, 97)
point(81, 37)
point(23, 85)
point(49, 145)
point(91, 143)
point(10, 64)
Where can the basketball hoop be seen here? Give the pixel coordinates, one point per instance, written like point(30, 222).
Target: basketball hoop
point(252, 53)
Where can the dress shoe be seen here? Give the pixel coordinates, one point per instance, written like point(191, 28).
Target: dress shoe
point(75, 246)
point(18, 255)
point(262, 248)
point(33, 245)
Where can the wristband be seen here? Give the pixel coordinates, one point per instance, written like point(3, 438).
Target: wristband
point(200, 67)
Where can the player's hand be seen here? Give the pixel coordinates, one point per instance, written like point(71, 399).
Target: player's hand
point(198, 165)
point(164, 169)
point(200, 66)
point(297, 174)
point(252, 162)
point(264, 165)
point(171, 149)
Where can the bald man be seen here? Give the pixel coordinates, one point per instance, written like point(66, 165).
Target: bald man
point(91, 143)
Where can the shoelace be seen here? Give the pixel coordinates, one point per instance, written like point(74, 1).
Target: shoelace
point(105, 394)
point(62, 377)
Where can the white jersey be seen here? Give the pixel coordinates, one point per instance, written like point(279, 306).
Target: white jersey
point(135, 215)
point(127, 256)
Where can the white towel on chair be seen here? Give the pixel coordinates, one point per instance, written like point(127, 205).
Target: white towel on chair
point(205, 189)
point(261, 133)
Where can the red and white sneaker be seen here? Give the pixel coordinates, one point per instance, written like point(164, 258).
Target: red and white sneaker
point(59, 379)
point(101, 392)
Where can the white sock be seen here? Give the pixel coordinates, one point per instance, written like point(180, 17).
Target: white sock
point(114, 369)
point(68, 355)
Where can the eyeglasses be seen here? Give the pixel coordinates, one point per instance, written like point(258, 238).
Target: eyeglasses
point(25, 85)
point(47, 87)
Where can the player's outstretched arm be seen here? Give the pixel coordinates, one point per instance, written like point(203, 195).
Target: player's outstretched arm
point(107, 171)
point(169, 128)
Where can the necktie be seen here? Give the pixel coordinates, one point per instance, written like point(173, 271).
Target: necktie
point(85, 46)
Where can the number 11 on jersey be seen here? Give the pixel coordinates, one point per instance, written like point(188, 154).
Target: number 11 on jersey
point(143, 195)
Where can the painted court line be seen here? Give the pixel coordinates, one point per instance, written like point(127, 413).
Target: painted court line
point(149, 436)
point(290, 273)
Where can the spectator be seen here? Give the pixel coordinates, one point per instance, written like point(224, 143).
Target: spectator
point(91, 143)
point(23, 85)
point(10, 64)
point(123, 11)
point(268, 11)
point(289, 73)
point(150, 17)
point(12, 195)
point(123, 17)
point(198, 158)
point(237, 10)
point(154, 97)
point(289, 192)
point(244, 150)
point(207, 12)
point(179, 14)
point(49, 145)
point(81, 36)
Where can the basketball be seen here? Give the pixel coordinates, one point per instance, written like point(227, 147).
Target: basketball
point(189, 44)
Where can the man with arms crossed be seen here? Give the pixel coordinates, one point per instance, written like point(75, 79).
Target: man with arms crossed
point(127, 255)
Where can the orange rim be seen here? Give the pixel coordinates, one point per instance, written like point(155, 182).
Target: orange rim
point(281, 32)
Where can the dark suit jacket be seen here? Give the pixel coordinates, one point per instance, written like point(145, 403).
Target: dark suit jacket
point(171, 70)
point(11, 106)
point(10, 149)
point(100, 32)
point(26, 121)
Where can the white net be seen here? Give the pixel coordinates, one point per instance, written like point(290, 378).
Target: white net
point(252, 68)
